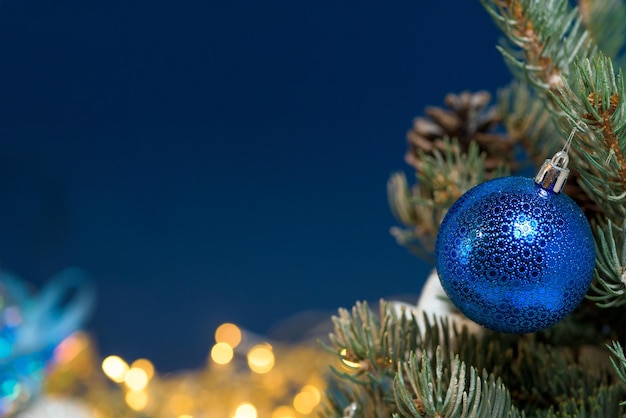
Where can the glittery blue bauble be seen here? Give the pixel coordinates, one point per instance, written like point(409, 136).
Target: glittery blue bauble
point(515, 257)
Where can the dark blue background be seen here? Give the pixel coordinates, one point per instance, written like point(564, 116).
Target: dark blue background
point(211, 161)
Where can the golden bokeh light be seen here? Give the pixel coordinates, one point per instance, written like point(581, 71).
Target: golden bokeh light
point(137, 399)
point(222, 353)
point(181, 404)
point(229, 334)
point(185, 416)
point(115, 368)
point(145, 365)
point(275, 382)
point(245, 410)
point(261, 358)
point(284, 412)
point(307, 399)
point(136, 379)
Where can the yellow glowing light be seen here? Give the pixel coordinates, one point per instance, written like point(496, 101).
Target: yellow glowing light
point(274, 381)
point(137, 399)
point(145, 365)
point(115, 368)
point(316, 396)
point(308, 398)
point(185, 416)
point(180, 404)
point(245, 410)
point(136, 379)
point(348, 363)
point(261, 358)
point(222, 353)
point(284, 412)
point(229, 334)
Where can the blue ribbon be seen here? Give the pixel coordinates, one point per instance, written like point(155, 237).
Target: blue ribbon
point(45, 319)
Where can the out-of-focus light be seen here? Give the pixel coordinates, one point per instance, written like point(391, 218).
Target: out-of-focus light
point(185, 416)
point(115, 368)
point(136, 379)
point(145, 365)
point(137, 399)
point(181, 404)
point(245, 410)
point(274, 382)
point(307, 399)
point(222, 353)
point(316, 396)
point(70, 347)
point(283, 412)
point(229, 334)
point(348, 363)
point(12, 316)
point(261, 358)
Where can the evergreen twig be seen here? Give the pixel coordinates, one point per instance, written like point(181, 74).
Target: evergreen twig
point(606, 22)
point(449, 392)
point(609, 286)
point(542, 372)
point(443, 178)
point(545, 36)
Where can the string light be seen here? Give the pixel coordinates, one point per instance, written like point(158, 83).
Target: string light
point(115, 368)
point(268, 386)
point(261, 358)
point(307, 399)
point(245, 410)
point(181, 404)
point(145, 365)
point(137, 399)
point(136, 379)
point(284, 411)
point(228, 333)
point(222, 353)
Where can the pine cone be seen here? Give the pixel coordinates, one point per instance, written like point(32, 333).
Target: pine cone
point(467, 118)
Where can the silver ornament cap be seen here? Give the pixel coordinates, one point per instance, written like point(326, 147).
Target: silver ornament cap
point(553, 173)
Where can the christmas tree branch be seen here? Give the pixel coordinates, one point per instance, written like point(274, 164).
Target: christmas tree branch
point(444, 176)
point(542, 372)
point(592, 102)
point(609, 287)
point(418, 392)
point(554, 52)
point(545, 36)
point(606, 22)
point(618, 361)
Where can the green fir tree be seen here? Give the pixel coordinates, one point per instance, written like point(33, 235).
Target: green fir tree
point(566, 66)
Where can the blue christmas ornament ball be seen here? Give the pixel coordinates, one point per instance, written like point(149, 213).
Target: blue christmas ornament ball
point(515, 257)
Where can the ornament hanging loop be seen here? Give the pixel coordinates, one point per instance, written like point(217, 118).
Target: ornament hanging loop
point(553, 173)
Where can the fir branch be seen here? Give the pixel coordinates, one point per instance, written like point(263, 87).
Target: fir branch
point(370, 347)
point(443, 178)
point(609, 286)
point(603, 403)
point(545, 36)
point(592, 102)
point(541, 374)
point(606, 22)
point(448, 392)
point(618, 361)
